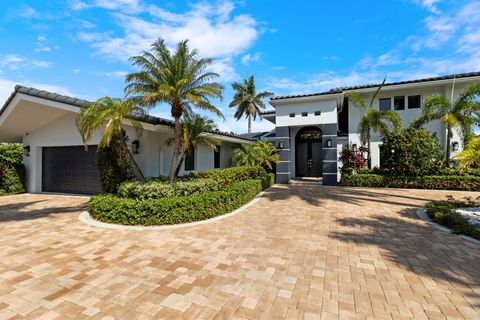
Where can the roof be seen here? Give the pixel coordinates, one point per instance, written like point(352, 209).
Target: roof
point(267, 112)
point(342, 89)
point(80, 103)
point(253, 135)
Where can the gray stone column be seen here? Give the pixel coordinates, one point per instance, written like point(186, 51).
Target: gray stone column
point(283, 173)
point(329, 154)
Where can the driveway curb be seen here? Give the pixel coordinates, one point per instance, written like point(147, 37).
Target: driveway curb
point(424, 216)
point(86, 218)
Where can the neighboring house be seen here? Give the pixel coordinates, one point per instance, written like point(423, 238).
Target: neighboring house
point(54, 155)
point(311, 128)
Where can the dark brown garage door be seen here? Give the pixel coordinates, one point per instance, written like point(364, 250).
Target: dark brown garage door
point(70, 170)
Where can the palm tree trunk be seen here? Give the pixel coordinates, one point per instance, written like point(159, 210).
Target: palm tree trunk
point(176, 149)
point(131, 160)
point(447, 150)
point(249, 124)
point(179, 166)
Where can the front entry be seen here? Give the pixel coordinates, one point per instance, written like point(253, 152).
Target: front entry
point(308, 152)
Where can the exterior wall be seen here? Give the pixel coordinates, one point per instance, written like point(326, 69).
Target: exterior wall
point(328, 109)
point(153, 159)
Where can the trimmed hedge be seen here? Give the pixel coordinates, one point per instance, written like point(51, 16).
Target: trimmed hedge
point(467, 183)
point(112, 209)
point(153, 189)
point(226, 177)
point(444, 213)
point(12, 170)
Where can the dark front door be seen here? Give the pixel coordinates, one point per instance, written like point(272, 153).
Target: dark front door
point(70, 170)
point(308, 149)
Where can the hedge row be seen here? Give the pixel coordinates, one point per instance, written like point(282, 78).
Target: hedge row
point(444, 213)
point(226, 177)
point(112, 209)
point(467, 183)
point(12, 170)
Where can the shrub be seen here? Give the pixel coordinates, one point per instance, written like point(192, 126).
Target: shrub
point(444, 213)
point(11, 154)
point(411, 152)
point(112, 167)
point(12, 170)
point(227, 176)
point(154, 189)
point(467, 183)
point(352, 161)
point(258, 153)
point(112, 209)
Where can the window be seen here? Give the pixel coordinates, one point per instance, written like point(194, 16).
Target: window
point(190, 161)
point(399, 103)
point(414, 102)
point(385, 104)
point(292, 115)
point(216, 158)
point(304, 114)
point(317, 113)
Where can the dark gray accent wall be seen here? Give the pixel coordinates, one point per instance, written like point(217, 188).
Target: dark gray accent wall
point(283, 174)
point(329, 154)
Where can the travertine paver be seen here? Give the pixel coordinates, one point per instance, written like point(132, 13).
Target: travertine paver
point(301, 252)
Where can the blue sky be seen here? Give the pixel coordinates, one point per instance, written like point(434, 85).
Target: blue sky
point(81, 47)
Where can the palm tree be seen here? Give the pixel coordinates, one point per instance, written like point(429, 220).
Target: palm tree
point(258, 153)
point(247, 101)
point(109, 114)
point(196, 130)
point(470, 155)
point(462, 113)
point(177, 78)
point(378, 121)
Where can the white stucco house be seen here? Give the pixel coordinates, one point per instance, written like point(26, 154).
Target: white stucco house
point(311, 129)
point(54, 156)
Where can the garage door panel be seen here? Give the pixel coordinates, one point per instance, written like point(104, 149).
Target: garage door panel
point(70, 170)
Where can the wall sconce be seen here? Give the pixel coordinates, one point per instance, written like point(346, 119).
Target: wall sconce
point(455, 146)
point(354, 147)
point(26, 151)
point(329, 143)
point(135, 146)
point(281, 145)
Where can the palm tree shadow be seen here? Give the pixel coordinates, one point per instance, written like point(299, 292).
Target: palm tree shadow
point(29, 210)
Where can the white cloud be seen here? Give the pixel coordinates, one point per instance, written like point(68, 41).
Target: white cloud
point(113, 74)
point(27, 12)
point(230, 124)
point(122, 5)
point(43, 49)
point(211, 28)
point(251, 57)
point(430, 5)
point(16, 62)
point(77, 70)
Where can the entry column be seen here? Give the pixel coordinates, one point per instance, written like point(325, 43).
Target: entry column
point(329, 158)
point(283, 145)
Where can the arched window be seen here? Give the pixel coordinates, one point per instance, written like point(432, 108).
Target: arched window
point(309, 134)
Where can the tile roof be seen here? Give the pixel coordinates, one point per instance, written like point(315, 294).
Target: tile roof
point(80, 103)
point(342, 89)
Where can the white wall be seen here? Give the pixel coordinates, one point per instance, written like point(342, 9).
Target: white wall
point(328, 109)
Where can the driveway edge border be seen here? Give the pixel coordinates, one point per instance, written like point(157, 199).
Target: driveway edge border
point(86, 218)
point(424, 216)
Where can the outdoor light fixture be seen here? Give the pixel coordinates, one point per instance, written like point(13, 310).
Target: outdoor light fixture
point(135, 146)
point(354, 147)
point(281, 145)
point(26, 151)
point(329, 143)
point(455, 146)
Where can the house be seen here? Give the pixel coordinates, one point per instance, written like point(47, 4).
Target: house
point(311, 129)
point(56, 160)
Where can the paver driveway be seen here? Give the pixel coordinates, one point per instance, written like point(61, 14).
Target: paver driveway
point(300, 252)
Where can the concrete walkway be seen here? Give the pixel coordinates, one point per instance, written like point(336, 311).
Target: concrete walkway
point(301, 252)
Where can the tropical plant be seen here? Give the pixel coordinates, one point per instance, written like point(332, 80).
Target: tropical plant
point(373, 120)
point(247, 101)
point(177, 78)
point(470, 156)
point(462, 113)
point(110, 114)
point(258, 153)
point(352, 160)
point(195, 132)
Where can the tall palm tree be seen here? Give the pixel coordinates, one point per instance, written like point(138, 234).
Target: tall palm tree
point(196, 130)
point(373, 120)
point(109, 114)
point(247, 101)
point(178, 78)
point(462, 113)
point(470, 155)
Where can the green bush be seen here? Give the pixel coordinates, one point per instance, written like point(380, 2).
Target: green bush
point(112, 209)
point(227, 176)
point(411, 152)
point(12, 170)
point(467, 183)
point(443, 212)
point(152, 189)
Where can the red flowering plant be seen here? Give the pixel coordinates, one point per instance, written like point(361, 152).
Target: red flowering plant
point(352, 160)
